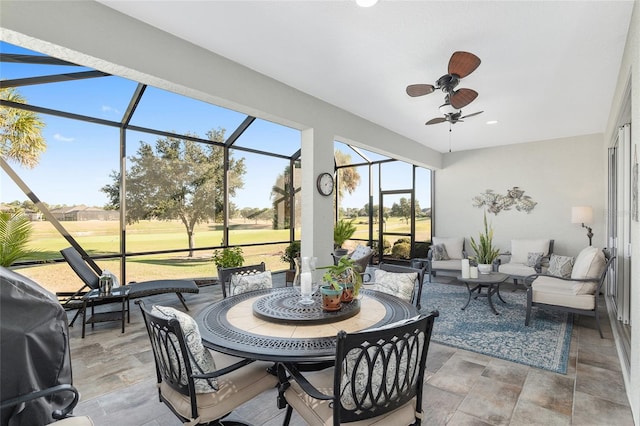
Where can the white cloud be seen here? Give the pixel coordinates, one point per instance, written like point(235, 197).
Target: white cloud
point(110, 110)
point(61, 138)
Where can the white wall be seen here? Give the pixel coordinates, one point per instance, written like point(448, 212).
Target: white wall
point(557, 174)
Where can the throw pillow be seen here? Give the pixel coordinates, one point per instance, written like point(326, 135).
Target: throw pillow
point(360, 251)
point(454, 246)
point(399, 284)
point(201, 359)
point(589, 264)
point(560, 266)
point(440, 252)
point(533, 259)
point(242, 283)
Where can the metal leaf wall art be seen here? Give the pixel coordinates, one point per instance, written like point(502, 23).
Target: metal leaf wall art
point(495, 203)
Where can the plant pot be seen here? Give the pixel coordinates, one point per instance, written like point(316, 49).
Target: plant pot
point(485, 268)
point(347, 292)
point(339, 252)
point(331, 298)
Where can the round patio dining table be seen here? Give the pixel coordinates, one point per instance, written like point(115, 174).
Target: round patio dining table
point(269, 325)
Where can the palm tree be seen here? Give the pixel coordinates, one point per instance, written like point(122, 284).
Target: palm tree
point(15, 232)
point(20, 131)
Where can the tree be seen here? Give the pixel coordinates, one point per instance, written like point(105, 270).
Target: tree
point(281, 193)
point(178, 179)
point(21, 131)
point(403, 209)
point(348, 177)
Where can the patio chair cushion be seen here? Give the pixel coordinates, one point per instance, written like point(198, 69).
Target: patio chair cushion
point(560, 266)
point(520, 249)
point(202, 360)
point(589, 263)
point(440, 252)
point(517, 269)
point(234, 389)
point(454, 246)
point(555, 291)
point(448, 265)
point(242, 283)
point(399, 284)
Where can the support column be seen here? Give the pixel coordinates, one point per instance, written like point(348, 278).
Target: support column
point(317, 210)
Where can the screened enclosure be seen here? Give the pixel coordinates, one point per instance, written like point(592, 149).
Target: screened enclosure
point(151, 183)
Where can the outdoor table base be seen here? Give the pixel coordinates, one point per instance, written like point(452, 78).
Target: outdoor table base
point(490, 281)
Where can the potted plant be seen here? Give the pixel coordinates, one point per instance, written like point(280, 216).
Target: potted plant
point(344, 275)
point(291, 253)
point(228, 257)
point(486, 253)
point(343, 230)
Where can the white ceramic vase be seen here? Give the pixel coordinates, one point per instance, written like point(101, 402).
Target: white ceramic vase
point(484, 268)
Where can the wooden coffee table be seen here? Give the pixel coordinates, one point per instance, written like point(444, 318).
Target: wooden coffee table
point(489, 281)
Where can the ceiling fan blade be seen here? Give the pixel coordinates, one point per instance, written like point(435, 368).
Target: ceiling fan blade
point(463, 97)
point(436, 120)
point(471, 115)
point(463, 63)
point(414, 90)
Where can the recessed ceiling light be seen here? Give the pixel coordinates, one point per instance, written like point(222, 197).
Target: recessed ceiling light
point(492, 122)
point(366, 3)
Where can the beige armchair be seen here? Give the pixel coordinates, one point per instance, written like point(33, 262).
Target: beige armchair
point(527, 257)
point(445, 255)
point(578, 294)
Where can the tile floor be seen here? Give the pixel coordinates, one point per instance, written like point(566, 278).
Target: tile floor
point(116, 378)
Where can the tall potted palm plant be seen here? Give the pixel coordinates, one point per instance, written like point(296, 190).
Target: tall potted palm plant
point(342, 231)
point(485, 251)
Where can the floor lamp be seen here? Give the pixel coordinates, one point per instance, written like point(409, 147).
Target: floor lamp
point(583, 214)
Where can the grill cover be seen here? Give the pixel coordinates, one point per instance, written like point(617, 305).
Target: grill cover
point(34, 349)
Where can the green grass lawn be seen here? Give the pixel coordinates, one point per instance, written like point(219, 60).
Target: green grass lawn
point(102, 238)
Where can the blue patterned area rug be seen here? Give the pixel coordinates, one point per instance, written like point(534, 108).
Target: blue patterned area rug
point(544, 344)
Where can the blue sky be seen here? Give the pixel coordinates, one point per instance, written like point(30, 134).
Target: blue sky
point(80, 155)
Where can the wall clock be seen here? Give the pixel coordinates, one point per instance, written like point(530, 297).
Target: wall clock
point(325, 184)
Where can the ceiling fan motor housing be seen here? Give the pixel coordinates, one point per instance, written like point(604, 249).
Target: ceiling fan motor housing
point(448, 82)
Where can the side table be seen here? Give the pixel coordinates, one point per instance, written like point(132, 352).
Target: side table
point(491, 281)
point(93, 298)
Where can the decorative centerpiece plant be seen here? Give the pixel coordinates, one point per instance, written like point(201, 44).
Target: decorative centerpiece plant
point(344, 272)
point(486, 253)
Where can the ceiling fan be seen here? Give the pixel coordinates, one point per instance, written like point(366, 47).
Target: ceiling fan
point(461, 65)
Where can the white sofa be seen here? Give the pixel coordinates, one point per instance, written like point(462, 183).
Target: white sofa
point(523, 262)
point(577, 294)
point(454, 249)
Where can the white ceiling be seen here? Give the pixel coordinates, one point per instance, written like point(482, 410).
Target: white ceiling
point(548, 70)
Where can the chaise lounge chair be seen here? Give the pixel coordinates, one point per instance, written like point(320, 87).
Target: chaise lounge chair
point(136, 290)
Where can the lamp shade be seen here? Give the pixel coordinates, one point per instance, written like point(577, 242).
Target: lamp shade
point(581, 214)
